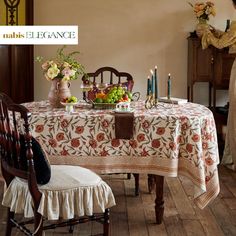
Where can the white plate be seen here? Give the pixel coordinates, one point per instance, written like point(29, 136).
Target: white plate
point(122, 111)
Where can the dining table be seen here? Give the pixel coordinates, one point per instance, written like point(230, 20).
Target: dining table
point(168, 140)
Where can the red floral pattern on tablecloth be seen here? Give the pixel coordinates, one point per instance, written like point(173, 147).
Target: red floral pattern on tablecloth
point(183, 133)
point(172, 132)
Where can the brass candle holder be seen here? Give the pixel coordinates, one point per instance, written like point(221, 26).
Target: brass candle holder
point(151, 101)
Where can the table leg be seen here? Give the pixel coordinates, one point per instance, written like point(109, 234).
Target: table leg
point(151, 183)
point(136, 177)
point(159, 202)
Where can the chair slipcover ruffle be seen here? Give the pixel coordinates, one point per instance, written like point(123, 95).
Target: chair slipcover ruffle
point(72, 191)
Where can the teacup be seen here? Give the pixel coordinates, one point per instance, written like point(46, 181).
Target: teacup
point(123, 106)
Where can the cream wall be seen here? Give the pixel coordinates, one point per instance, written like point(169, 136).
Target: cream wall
point(130, 35)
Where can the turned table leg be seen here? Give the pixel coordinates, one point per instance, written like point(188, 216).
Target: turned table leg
point(151, 183)
point(136, 177)
point(159, 202)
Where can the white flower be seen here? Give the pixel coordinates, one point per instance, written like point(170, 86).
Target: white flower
point(72, 72)
point(52, 72)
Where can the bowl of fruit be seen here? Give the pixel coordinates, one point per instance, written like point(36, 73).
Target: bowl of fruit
point(69, 103)
point(109, 100)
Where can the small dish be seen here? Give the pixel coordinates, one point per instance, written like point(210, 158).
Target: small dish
point(69, 106)
point(124, 111)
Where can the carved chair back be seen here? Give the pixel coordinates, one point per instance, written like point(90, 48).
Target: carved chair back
point(107, 75)
point(13, 124)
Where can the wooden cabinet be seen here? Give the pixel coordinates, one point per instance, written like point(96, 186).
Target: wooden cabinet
point(199, 66)
point(211, 65)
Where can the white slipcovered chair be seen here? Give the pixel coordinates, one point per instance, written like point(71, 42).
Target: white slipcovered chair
point(65, 194)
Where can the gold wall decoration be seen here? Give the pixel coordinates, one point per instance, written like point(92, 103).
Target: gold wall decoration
point(12, 12)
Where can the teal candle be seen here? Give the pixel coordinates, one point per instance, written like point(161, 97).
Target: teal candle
point(169, 87)
point(152, 82)
point(156, 82)
point(148, 85)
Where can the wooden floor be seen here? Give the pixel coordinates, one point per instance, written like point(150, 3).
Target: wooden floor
point(135, 216)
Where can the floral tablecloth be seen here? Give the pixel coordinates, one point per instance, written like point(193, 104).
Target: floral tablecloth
point(168, 140)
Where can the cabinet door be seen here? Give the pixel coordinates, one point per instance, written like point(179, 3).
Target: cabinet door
point(200, 66)
point(222, 69)
point(16, 78)
point(200, 61)
point(16, 61)
point(204, 59)
point(22, 73)
point(5, 64)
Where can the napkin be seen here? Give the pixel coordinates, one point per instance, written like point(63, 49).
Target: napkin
point(124, 125)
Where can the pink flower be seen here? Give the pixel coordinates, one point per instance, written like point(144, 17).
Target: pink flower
point(39, 128)
point(64, 152)
point(104, 153)
point(141, 137)
point(100, 137)
point(189, 147)
point(105, 123)
point(180, 139)
point(60, 136)
point(207, 179)
point(156, 143)
point(184, 127)
point(45, 65)
point(144, 152)
point(160, 130)
point(205, 145)
point(67, 72)
point(209, 161)
point(64, 123)
point(115, 142)
point(146, 124)
point(195, 138)
point(52, 142)
point(133, 143)
point(93, 143)
point(172, 146)
point(79, 129)
point(75, 142)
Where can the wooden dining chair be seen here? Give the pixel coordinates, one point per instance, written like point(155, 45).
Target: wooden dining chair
point(50, 195)
point(111, 77)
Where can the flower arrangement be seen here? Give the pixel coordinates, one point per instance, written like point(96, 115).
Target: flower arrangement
point(64, 66)
point(203, 10)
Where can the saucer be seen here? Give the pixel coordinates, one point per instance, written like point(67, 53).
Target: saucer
point(124, 111)
point(69, 104)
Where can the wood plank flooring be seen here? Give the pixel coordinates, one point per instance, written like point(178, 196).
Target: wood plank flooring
point(135, 216)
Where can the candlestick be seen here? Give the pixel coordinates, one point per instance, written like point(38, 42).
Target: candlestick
point(169, 87)
point(152, 84)
point(156, 83)
point(148, 85)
